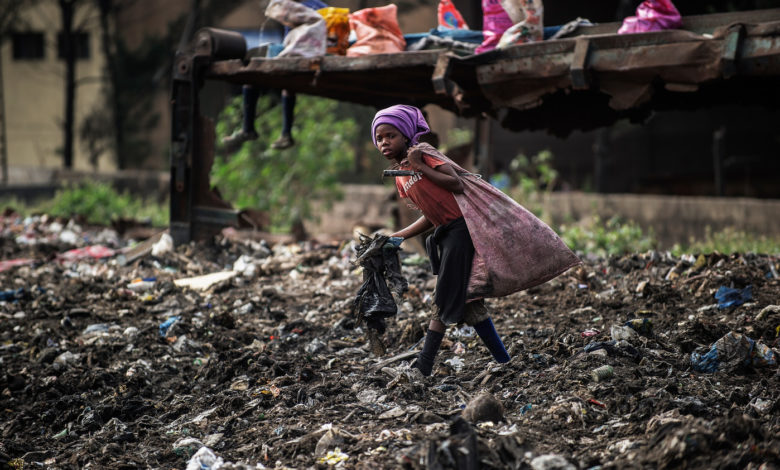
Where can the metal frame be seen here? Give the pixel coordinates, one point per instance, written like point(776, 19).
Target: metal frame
point(584, 82)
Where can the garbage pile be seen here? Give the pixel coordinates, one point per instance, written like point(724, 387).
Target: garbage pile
point(246, 354)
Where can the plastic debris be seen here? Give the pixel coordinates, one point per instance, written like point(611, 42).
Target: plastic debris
point(731, 351)
point(165, 326)
point(262, 381)
point(205, 459)
point(729, 297)
point(12, 263)
point(164, 245)
point(641, 325)
point(94, 252)
point(602, 373)
point(205, 281)
point(551, 462)
point(333, 457)
point(381, 265)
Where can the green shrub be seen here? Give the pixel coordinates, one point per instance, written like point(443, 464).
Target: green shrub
point(285, 182)
point(615, 237)
point(100, 203)
point(730, 241)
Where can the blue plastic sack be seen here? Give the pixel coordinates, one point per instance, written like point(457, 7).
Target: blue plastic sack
point(728, 297)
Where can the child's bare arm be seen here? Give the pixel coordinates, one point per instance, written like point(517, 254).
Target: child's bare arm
point(417, 227)
point(443, 176)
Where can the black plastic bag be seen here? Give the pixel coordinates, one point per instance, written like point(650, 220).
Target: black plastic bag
point(381, 264)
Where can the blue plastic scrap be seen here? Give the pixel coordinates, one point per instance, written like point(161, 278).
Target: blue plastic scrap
point(11, 294)
point(728, 297)
point(706, 363)
point(167, 324)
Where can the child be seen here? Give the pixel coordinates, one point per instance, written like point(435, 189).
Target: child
point(483, 244)
point(250, 94)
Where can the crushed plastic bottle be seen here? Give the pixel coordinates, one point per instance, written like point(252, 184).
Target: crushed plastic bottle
point(602, 373)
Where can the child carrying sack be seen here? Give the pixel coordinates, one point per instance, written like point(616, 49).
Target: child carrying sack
point(308, 33)
point(377, 31)
point(514, 250)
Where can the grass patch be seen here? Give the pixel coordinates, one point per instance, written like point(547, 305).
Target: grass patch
point(98, 203)
point(613, 237)
point(729, 241)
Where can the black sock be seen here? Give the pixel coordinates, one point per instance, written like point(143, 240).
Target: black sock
point(250, 97)
point(430, 348)
point(489, 335)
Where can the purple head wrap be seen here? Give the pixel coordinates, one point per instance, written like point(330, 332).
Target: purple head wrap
point(407, 119)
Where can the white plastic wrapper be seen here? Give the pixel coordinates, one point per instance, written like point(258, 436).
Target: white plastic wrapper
point(308, 34)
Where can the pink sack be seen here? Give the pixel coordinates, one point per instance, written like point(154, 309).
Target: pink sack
point(495, 21)
point(652, 15)
point(93, 251)
point(514, 250)
point(377, 31)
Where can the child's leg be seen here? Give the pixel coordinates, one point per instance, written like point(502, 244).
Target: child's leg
point(456, 254)
point(477, 316)
point(288, 112)
point(250, 95)
point(288, 115)
point(433, 339)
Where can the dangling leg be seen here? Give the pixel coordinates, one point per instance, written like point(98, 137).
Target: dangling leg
point(288, 116)
point(250, 95)
point(433, 339)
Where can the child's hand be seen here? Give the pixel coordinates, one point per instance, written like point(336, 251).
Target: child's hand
point(415, 158)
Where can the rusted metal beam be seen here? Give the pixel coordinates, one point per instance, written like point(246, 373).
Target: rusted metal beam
point(579, 64)
point(192, 202)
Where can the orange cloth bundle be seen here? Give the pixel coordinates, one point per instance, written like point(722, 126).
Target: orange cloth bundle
point(337, 21)
point(377, 31)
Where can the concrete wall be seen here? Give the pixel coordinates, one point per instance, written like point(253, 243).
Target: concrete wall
point(673, 219)
point(33, 90)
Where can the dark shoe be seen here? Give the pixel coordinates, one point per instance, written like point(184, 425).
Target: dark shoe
point(283, 142)
point(234, 141)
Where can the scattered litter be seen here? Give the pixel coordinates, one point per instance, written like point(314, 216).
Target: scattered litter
point(253, 363)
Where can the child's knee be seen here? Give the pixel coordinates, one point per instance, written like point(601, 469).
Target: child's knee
point(475, 312)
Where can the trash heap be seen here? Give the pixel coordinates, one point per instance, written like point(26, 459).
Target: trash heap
point(246, 354)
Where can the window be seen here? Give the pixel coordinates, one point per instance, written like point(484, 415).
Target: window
point(80, 43)
point(27, 45)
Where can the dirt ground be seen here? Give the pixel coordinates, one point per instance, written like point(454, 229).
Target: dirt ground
point(266, 369)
